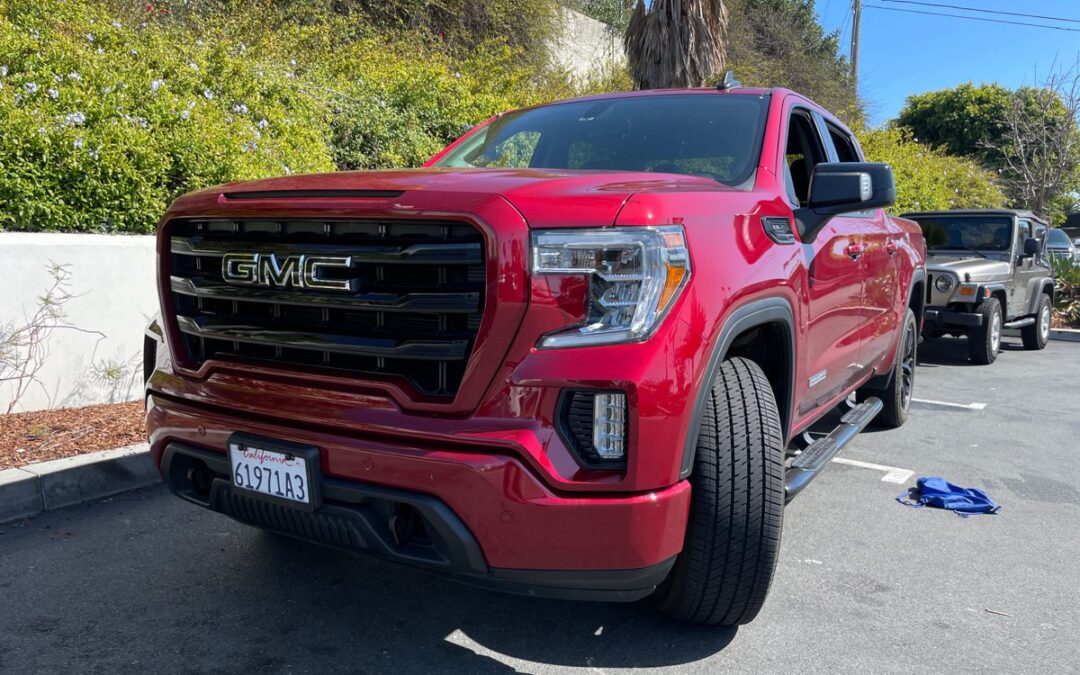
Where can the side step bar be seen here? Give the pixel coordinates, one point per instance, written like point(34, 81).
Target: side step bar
point(816, 457)
point(1020, 323)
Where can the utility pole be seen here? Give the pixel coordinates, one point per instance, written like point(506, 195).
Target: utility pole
point(856, 19)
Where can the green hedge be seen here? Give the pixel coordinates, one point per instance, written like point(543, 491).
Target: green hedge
point(928, 179)
point(105, 117)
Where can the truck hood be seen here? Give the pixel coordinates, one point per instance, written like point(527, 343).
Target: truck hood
point(545, 197)
point(969, 268)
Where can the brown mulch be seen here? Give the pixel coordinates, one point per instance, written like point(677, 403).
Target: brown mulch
point(1059, 322)
point(64, 432)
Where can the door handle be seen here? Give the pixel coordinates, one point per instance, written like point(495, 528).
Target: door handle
point(891, 247)
point(854, 250)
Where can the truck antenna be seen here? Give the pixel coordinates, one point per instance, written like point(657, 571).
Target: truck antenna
point(729, 82)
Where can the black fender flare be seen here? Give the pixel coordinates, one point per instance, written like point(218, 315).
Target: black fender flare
point(742, 318)
point(916, 276)
point(1036, 288)
point(994, 288)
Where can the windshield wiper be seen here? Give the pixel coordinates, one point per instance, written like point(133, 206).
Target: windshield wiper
point(962, 248)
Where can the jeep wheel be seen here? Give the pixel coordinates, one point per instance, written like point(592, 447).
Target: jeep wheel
point(1036, 335)
point(984, 341)
point(896, 396)
point(736, 504)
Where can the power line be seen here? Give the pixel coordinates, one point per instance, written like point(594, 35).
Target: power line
point(972, 18)
point(983, 11)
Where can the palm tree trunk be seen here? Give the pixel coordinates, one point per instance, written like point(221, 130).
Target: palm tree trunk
point(676, 43)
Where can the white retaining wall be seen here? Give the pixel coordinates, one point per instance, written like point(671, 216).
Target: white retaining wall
point(586, 47)
point(113, 279)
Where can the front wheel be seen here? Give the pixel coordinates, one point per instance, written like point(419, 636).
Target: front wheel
point(732, 539)
point(984, 341)
point(1037, 335)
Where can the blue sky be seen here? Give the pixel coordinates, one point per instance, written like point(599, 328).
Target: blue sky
point(903, 54)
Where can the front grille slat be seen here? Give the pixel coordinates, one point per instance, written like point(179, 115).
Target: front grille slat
point(424, 254)
point(326, 342)
point(410, 306)
point(427, 303)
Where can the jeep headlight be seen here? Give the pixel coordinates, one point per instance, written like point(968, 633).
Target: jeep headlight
point(635, 274)
point(945, 283)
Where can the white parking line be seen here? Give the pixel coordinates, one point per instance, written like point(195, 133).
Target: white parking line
point(965, 406)
point(892, 474)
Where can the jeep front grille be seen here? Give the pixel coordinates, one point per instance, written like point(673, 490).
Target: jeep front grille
point(413, 309)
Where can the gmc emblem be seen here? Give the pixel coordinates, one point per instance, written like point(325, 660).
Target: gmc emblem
point(294, 271)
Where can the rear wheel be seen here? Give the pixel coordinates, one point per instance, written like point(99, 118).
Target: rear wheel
point(984, 341)
point(1036, 335)
point(736, 506)
point(896, 396)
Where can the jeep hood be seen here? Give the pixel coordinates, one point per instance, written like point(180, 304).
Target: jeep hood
point(972, 268)
point(545, 197)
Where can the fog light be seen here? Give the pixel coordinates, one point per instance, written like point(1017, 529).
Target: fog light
point(593, 424)
point(609, 426)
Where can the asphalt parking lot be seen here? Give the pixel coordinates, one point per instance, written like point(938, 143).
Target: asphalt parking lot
point(145, 582)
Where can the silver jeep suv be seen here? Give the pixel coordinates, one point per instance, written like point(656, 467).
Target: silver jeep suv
point(987, 270)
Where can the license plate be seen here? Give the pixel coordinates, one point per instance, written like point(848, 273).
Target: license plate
point(274, 470)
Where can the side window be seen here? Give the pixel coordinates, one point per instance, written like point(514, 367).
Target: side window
point(845, 148)
point(804, 152)
point(1023, 232)
point(1040, 233)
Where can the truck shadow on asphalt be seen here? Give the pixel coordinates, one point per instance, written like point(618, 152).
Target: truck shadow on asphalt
point(411, 620)
point(954, 352)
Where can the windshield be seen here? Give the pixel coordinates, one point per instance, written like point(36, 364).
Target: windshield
point(716, 136)
point(1058, 239)
point(960, 233)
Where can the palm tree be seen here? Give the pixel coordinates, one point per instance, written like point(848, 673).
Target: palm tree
point(676, 43)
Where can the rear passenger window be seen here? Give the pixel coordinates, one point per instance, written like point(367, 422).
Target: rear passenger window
point(845, 148)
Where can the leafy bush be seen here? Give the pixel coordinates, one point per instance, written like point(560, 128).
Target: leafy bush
point(101, 124)
point(108, 112)
point(928, 179)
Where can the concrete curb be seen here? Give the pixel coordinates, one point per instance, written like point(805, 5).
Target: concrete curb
point(1065, 334)
point(29, 490)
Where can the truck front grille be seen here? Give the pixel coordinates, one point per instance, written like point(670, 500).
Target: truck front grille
point(411, 308)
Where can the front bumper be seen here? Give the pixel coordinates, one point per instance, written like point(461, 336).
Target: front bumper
point(943, 317)
point(487, 519)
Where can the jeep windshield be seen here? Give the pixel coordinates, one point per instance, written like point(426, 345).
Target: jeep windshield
point(967, 233)
point(715, 136)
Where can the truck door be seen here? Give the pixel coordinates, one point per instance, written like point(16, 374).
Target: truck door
point(834, 278)
point(881, 302)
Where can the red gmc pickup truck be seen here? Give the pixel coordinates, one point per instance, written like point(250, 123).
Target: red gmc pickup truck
point(588, 351)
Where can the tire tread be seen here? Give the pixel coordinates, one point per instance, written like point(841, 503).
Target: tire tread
point(733, 535)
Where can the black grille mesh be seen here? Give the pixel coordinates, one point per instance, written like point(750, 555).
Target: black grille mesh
point(414, 309)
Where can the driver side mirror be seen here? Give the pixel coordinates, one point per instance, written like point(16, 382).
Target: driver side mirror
point(844, 187)
point(1031, 247)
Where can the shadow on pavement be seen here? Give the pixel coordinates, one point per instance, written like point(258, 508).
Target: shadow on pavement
point(334, 608)
point(954, 352)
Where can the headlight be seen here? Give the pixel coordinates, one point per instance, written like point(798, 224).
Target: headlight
point(635, 274)
point(945, 283)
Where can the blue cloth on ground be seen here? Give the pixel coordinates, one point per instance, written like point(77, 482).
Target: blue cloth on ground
point(939, 493)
